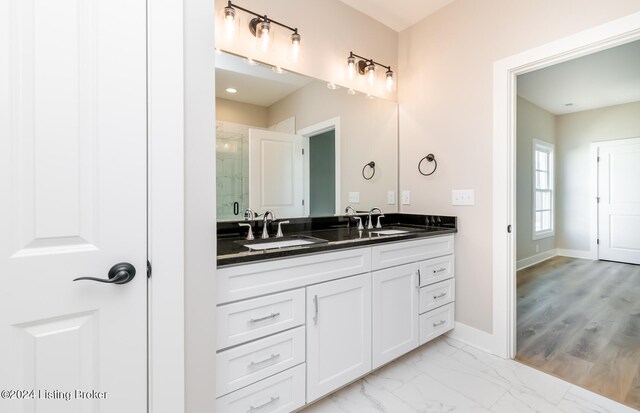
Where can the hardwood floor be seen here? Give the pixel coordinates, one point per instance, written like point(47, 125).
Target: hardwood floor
point(580, 320)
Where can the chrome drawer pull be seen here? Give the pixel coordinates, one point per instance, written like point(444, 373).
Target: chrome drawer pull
point(435, 297)
point(439, 270)
point(418, 286)
point(253, 409)
point(440, 323)
point(257, 320)
point(272, 357)
point(315, 302)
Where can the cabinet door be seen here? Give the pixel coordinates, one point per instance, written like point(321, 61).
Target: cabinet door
point(396, 293)
point(338, 333)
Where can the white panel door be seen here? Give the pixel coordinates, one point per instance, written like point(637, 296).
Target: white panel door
point(338, 333)
point(276, 173)
point(72, 204)
point(619, 206)
point(395, 308)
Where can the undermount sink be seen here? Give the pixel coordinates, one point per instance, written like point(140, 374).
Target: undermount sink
point(389, 232)
point(282, 243)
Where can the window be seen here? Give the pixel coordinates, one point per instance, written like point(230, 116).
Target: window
point(542, 190)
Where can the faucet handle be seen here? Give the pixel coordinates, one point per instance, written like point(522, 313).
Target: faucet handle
point(378, 224)
point(360, 227)
point(250, 233)
point(279, 233)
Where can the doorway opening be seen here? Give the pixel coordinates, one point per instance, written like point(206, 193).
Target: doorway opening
point(322, 168)
point(577, 205)
point(322, 174)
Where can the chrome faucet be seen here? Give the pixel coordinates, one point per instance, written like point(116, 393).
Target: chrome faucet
point(265, 218)
point(249, 214)
point(348, 209)
point(370, 220)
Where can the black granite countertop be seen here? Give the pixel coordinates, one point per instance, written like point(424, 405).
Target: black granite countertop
point(323, 234)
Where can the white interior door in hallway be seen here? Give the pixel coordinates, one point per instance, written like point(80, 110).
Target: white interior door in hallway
point(72, 204)
point(276, 172)
point(619, 200)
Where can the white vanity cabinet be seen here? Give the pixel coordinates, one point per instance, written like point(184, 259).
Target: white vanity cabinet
point(402, 276)
point(338, 334)
point(395, 312)
point(293, 330)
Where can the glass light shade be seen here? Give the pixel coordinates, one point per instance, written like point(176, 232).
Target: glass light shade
point(264, 34)
point(389, 80)
point(371, 74)
point(295, 46)
point(351, 67)
point(229, 21)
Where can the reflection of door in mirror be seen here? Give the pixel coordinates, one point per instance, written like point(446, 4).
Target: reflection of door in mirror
point(275, 172)
point(232, 170)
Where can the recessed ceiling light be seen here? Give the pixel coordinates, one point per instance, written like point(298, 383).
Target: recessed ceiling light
point(232, 90)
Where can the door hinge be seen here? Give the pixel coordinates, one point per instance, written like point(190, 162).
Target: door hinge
point(303, 151)
point(598, 159)
point(509, 229)
point(303, 202)
point(148, 269)
point(598, 241)
point(598, 199)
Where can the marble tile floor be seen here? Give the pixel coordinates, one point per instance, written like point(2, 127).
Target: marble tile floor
point(449, 376)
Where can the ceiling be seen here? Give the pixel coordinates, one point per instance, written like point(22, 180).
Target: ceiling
point(607, 78)
point(256, 84)
point(398, 14)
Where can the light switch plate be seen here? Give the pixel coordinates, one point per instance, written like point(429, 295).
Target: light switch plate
point(354, 197)
point(463, 197)
point(406, 197)
point(391, 197)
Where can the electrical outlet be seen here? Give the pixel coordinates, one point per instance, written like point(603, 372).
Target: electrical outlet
point(391, 197)
point(406, 198)
point(463, 197)
point(354, 197)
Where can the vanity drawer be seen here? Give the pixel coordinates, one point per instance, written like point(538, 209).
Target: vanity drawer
point(404, 252)
point(251, 319)
point(436, 295)
point(246, 364)
point(282, 393)
point(436, 270)
point(436, 322)
point(250, 280)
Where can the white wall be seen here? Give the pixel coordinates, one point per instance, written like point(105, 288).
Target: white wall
point(445, 95)
point(243, 113)
point(533, 122)
point(575, 133)
point(330, 30)
point(369, 132)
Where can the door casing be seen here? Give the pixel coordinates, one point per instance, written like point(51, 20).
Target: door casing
point(505, 71)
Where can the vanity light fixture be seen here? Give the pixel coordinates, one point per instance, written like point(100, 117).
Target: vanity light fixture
point(261, 27)
point(367, 67)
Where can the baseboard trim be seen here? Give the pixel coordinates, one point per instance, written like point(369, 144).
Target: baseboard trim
point(473, 337)
point(587, 255)
point(535, 259)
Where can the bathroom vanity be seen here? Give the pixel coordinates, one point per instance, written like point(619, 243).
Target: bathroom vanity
point(296, 323)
